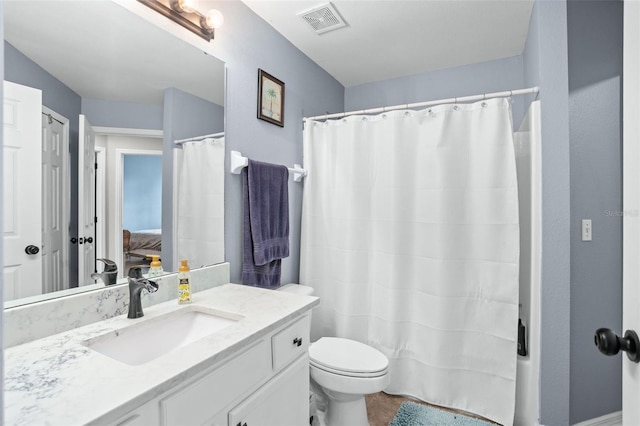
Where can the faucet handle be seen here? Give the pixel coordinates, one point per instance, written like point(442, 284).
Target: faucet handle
point(109, 265)
point(135, 272)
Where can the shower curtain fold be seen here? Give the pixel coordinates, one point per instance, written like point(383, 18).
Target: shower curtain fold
point(410, 237)
point(200, 228)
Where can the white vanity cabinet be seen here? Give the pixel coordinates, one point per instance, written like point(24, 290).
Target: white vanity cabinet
point(265, 383)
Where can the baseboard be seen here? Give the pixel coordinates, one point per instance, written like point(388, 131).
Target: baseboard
point(613, 419)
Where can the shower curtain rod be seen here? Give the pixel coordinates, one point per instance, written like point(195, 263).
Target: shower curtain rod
point(199, 138)
point(428, 103)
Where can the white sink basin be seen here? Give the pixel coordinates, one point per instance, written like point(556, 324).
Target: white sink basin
point(144, 342)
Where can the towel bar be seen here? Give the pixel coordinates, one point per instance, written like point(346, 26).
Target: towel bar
point(238, 162)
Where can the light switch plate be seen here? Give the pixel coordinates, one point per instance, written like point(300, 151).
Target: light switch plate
point(587, 230)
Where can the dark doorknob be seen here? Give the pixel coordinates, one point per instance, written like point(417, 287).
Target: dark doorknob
point(31, 249)
point(89, 240)
point(609, 343)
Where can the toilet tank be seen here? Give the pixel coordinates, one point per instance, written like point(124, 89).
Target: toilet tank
point(303, 290)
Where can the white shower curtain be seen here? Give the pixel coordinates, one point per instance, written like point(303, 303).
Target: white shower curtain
point(200, 232)
point(410, 239)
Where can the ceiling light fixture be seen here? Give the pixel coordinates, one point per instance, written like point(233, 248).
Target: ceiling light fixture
point(186, 13)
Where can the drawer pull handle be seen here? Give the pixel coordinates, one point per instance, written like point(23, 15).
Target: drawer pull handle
point(297, 341)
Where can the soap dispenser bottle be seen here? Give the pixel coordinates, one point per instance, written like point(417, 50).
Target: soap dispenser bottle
point(184, 288)
point(156, 267)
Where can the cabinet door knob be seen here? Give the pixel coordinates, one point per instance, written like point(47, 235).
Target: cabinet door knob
point(297, 341)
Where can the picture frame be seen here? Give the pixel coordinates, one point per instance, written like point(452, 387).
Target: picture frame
point(270, 98)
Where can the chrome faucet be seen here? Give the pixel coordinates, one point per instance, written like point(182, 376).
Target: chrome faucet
point(137, 283)
point(110, 274)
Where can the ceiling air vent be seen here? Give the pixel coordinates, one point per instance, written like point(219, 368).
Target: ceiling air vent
point(323, 18)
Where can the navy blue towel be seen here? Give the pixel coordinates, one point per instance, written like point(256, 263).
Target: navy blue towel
point(265, 223)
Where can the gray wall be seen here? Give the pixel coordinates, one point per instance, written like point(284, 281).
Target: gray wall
point(55, 95)
point(184, 116)
point(595, 79)
point(475, 79)
point(247, 43)
point(127, 115)
point(545, 64)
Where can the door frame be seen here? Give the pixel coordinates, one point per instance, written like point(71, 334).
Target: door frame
point(119, 193)
point(116, 237)
point(631, 205)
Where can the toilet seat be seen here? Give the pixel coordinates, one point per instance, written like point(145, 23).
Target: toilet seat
point(347, 357)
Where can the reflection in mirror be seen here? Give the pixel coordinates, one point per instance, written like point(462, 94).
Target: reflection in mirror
point(92, 83)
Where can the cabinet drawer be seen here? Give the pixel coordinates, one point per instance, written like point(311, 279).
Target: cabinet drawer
point(201, 400)
point(290, 342)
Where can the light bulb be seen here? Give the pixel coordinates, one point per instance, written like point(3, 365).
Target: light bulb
point(213, 19)
point(189, 6)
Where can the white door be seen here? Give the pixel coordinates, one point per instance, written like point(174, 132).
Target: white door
point(54, 199)
point(631, 202)
point(86, 202)
point(22, 210)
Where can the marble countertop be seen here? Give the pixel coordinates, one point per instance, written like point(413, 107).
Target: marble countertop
point(58, 380)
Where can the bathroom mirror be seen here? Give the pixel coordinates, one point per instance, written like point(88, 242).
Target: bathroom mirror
point(101, 60)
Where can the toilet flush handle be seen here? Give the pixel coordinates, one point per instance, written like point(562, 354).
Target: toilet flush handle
point(297, 341)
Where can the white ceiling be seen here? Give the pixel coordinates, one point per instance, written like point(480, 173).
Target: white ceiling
point(103, 51)
point(392, 38)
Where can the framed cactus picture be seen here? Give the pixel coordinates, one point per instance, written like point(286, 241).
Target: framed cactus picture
point(270, 98)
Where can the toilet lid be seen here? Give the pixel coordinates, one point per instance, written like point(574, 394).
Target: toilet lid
point(347, 356)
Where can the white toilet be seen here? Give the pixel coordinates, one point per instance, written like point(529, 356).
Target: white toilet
point(346, 371)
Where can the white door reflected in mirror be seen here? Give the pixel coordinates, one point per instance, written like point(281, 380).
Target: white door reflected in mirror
point(22, 178)
point(86, 202)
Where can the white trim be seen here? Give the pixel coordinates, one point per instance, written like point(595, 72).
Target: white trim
point(613, 419)
point(122, 131)
point(630, 205)
point(119, 183)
